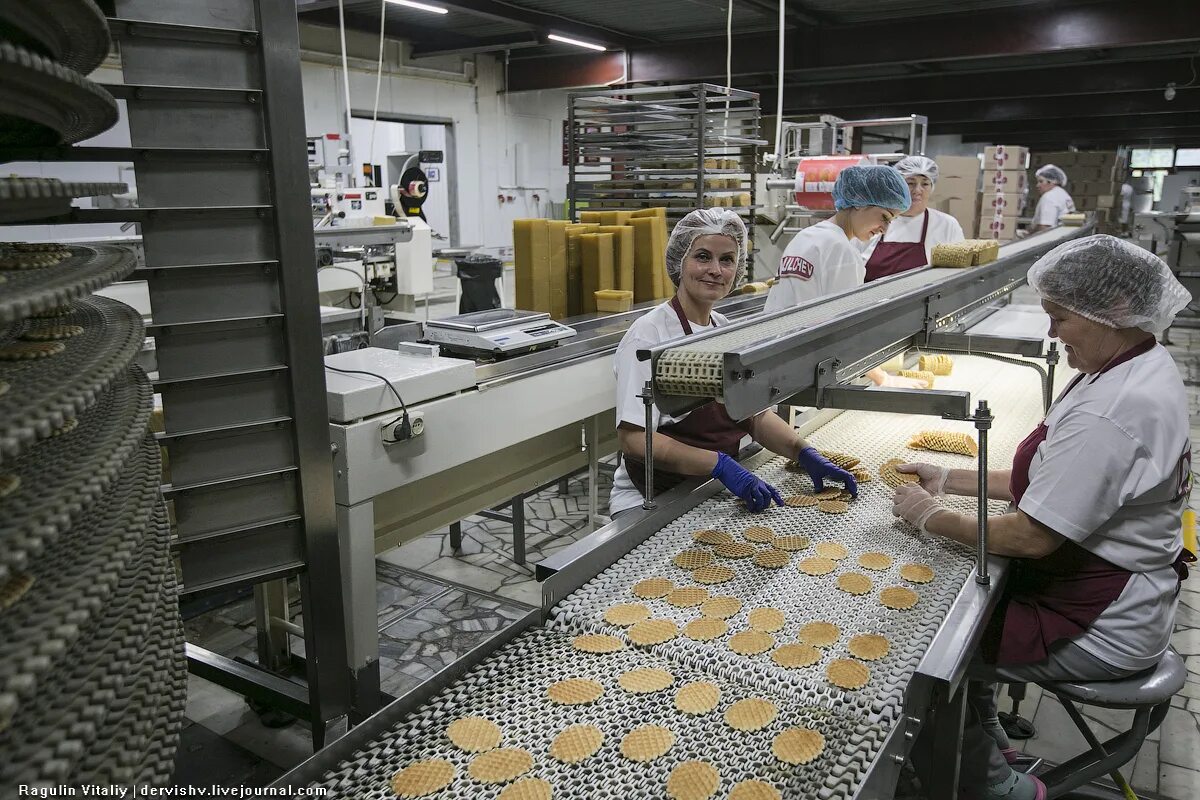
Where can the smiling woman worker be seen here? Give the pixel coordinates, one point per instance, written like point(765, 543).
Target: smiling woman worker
point(706, 255)
point(910, 238)
point(1097, 491)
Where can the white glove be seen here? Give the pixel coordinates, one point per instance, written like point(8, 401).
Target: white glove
point(933, 478)
point(915, 505)
point(898, 382)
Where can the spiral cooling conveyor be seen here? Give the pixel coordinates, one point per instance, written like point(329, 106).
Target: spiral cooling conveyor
point(92, 672)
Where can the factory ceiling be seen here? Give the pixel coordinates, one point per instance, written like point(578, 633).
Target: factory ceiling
point(1048, 74)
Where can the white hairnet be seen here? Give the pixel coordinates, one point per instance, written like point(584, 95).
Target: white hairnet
point(918, 165)
point(859, 187)
point(705, 222)
point(1110, 281)
point(1052, 173)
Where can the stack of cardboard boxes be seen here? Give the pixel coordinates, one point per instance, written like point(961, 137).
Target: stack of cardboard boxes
point(957, 191)
point(1094, 180)
point(1005, 191)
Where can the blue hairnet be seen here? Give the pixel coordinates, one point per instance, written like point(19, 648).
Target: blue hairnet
point(859, 187)
point(918, 165)
point(705, 222)
point(1052, 173)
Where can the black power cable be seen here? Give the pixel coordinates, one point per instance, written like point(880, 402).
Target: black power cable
point(405, 422)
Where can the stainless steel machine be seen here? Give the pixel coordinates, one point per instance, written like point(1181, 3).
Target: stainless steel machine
point(497, 333)
point(810, 355)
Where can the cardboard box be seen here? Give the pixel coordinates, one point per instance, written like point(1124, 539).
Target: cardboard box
point(991, 227)
point(964, 208)
point(1004, 156)
point(1106, 200)
point(1059, 158)
point(1084, 203)
point(958, 186)
point(1076, 175)
point(1008, 180)
point(1097, 158)
point(950, 167)
point(1008, 202)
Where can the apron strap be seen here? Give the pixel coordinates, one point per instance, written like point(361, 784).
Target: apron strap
point(925, 227)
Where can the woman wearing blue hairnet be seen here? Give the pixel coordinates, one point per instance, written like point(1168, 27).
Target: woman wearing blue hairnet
point(1054, 202)
point(706, 256)
point(1097, 491)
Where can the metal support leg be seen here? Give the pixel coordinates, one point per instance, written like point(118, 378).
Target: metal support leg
point(947, 733)
point(983, 422)
point(271, 603)
point(518, 523)
point(1015, 726)
point(356, 540)
point(591, 441)
point(563, 487)
point(1095, 744)
point(647, 396)
point(456, 536)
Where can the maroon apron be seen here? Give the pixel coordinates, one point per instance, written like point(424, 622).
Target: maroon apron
point(890, 258)
point(1059, 596)
point(709, 427)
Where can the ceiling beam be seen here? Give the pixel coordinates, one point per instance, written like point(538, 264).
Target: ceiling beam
point(1037, 127)
point(794, 11)
point(1181, 136)
point(469, 46)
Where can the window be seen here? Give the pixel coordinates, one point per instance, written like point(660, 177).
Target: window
point(1187, 157)
point(1152, 158)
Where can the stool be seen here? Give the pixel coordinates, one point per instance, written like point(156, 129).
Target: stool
point(1148, 692)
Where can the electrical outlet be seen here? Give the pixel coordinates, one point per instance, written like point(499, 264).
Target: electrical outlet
point(393, 432)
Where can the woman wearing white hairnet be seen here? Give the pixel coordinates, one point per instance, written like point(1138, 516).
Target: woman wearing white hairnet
point(1054, 202)
point(910, 238)
point(1097, 491)
point(706, 255)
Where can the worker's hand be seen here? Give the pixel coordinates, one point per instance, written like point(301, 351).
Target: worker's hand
point(933, 478)
point(916, 506)
point(900, 382)
point(821, 469)
point(757, 493)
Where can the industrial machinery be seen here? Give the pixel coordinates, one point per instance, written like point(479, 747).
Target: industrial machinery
point(809, 354)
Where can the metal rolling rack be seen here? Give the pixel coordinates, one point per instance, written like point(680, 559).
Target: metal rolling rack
point(683, 147)
point(93, 680)
point(212, 97)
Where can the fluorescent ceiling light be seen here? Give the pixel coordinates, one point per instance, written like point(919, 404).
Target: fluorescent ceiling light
point(422, 6)
point(567, 40)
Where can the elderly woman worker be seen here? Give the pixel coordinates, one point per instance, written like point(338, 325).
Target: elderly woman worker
point(910, 238)
point(1097, 492)
point(1054, 202)
point(706, 256)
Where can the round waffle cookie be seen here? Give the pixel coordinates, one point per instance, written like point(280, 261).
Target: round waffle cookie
point(721, 606)
point(27, 351)
point(653, 631)
point(527, 789)
point(751, 714)
point(759, 534)
point(868, 646)
point(794, 656)
point(474, 734)
point(916, 573)
point(800, 501)
point(65, 428)
point(625, 614)
point(39, 247)
point(861, 475)
point(754, 790)
point(500, 766)
point(9, 484)
point(597, 643)
point(854, 583)
point(798, 745)
point(833, 506)
point(711, 537)
point(819, 634)
point(705, 629)
point(574, 691)
point(713, 573)
point(692, 559)
point(875, 561)
point(898, 597)
point(828, 493)
point(735, 550)
point(751, 643)
point(645, 680)
point(700, 697)
point(791, 543)
point(894, 478)
point(647, 742)
point(422, 778)
point(848, 673)
point(23, 261)
point(50, 333)
point(54, 312)
point(651, 588)
point(687, 596)
point(767, 620)
point(834, 550)
point(817, 566)
point(693, 780)
point(771, 558)
point(576, 743)
point(14, 589)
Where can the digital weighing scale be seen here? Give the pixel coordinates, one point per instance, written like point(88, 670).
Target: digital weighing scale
point(497, 332)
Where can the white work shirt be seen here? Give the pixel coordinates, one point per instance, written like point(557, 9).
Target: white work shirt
point(943, 229)
point(1052, 205)
point(653, 328)
point(1112, 476)
point(1126, 202)
point(819, 261)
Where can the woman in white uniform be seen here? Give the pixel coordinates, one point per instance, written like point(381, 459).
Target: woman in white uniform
point(1054, 202)
point(1097, 491)
point(706, 256)
point(825, 258)
point(911, 237)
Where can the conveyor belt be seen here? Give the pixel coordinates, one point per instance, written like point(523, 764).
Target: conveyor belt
point(27, 292)
point(48, 104)
point(73, 32)
point(28, 199)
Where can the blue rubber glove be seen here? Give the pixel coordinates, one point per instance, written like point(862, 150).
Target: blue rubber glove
point(757, 493)
point(820, 469)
